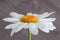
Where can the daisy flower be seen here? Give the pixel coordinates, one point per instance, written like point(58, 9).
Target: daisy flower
point(30, 21)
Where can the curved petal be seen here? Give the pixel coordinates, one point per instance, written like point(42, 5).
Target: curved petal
point(42, 27)
point(20, 26)
point(35, 14)
point(46, 14)
point(49, 25)
point(17, 28)
point(27, 26)
point(48, 19)
point(11, 19)
point(33, 29)
point(11, 26)
point(15, 15)
point(29, 14)
point(12, 33)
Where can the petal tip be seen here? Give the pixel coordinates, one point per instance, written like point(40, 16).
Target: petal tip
point(7, 28)
point(51, 13)
point(54, 19)
point(3, 19)
point(12, 13)
point(29, 14)
point(47, 32)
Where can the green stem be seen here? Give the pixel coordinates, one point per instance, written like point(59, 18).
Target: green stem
point(29, 35)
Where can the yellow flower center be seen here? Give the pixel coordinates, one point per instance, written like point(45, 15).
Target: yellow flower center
point(29, 18)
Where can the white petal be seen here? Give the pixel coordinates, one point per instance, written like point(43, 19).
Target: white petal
point(15, 15)
point(49, 25)
point(12, 33)
point(48, 19)
point(35, 14)
point(33, 29)
point(42, 27)
point(17, 28)
point(46, 14)
point(11, 26)
point(27, 26)
point(11, 19)
point(29, 14)
point(21, 26)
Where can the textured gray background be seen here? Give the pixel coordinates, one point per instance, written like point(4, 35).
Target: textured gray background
point(24, 6)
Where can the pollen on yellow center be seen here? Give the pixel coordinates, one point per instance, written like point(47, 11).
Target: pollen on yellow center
point(29, 18)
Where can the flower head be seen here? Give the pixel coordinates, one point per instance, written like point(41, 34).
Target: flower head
point(30, 21)
point(29, 18)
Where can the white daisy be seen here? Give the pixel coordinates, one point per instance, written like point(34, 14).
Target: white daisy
point(30, 21)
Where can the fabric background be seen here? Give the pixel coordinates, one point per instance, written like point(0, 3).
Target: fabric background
point(25, 6)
